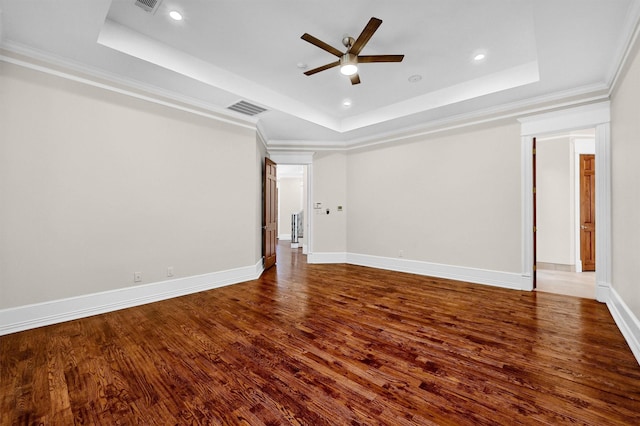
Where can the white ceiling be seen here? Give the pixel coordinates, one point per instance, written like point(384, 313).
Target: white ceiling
point(228, 50)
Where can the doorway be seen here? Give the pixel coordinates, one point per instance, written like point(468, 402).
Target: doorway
point(305, 159)
point(564, 211)
point(596, 115)
point(292, 205)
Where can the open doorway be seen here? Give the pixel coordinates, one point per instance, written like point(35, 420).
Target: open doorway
point(292, 206)
point(596, 115)
point(565, 213)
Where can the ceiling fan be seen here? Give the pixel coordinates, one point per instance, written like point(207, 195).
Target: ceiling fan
point(350, 59)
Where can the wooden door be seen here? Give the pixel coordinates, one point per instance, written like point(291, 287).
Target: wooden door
point(270, 214)
point(588, 211)
point(535, 229)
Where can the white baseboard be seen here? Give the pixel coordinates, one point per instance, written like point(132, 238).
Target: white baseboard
point(40, 314)
point(305, 249)
point(284, 237)
point(509, 280)
point(603, 292)
point(626, 321)
point(331, 257)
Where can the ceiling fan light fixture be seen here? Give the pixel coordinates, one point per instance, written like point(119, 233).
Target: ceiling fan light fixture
point(348, 61)
point(348, 64)
point(349, 69)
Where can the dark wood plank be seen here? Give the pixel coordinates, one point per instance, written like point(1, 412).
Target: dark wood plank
point(326, 345)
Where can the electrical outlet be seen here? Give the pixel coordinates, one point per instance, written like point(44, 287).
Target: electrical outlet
point(137, 277)
point(170, 271)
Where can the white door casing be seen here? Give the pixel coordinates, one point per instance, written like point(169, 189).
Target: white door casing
point(596, 116)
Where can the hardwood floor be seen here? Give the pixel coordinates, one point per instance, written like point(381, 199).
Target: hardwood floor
point(578, 284)
point(328, 345)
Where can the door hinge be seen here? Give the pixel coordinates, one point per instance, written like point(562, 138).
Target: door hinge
point(534, 151)
point(535, 268)
point(535, 229)
point(534, 189)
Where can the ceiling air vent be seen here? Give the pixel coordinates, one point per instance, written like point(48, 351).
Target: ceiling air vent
point(244, 107)
point(148, 5)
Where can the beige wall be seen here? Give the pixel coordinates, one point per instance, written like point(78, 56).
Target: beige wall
point(96, 186)
point(290, 196)
point(625, 196)
point(555, 200)
point(330, 189)
point(452, 199)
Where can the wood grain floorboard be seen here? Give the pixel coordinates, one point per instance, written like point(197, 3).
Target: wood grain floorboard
point(328, 345)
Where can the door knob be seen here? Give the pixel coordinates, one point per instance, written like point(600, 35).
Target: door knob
point(583, 227)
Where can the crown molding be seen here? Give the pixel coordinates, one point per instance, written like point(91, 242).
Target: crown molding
point(632, 30)
point(20, 55)
point(570, 98)
point(628, 47)
point(26, 57)
point(260, 136)
point(306, 145)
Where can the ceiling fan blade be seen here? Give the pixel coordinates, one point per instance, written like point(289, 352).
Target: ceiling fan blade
point(322, 68)
point(380, 58)
point(321, 44)
point(365, 35)
point(355, 79)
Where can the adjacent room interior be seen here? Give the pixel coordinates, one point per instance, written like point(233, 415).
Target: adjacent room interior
point(274, 212)
point(564, 210)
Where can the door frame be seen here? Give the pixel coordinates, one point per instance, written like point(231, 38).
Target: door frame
point(534, 209)
point(297, 158)
point(596, 116)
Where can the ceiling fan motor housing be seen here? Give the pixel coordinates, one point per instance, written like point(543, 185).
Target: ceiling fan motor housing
point(348, 41)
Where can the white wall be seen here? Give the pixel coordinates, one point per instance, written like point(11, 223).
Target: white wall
point(96, 186)
point(302, 240)
point(625, 196)
point(450, 199)
point(555, 199)
point(290, 200)
point(329, 188)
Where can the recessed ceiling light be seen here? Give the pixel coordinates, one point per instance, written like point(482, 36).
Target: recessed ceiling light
point(302, 65)
point(479, 57)
point(415, 78)
point(346, 103)
point(175, 15)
